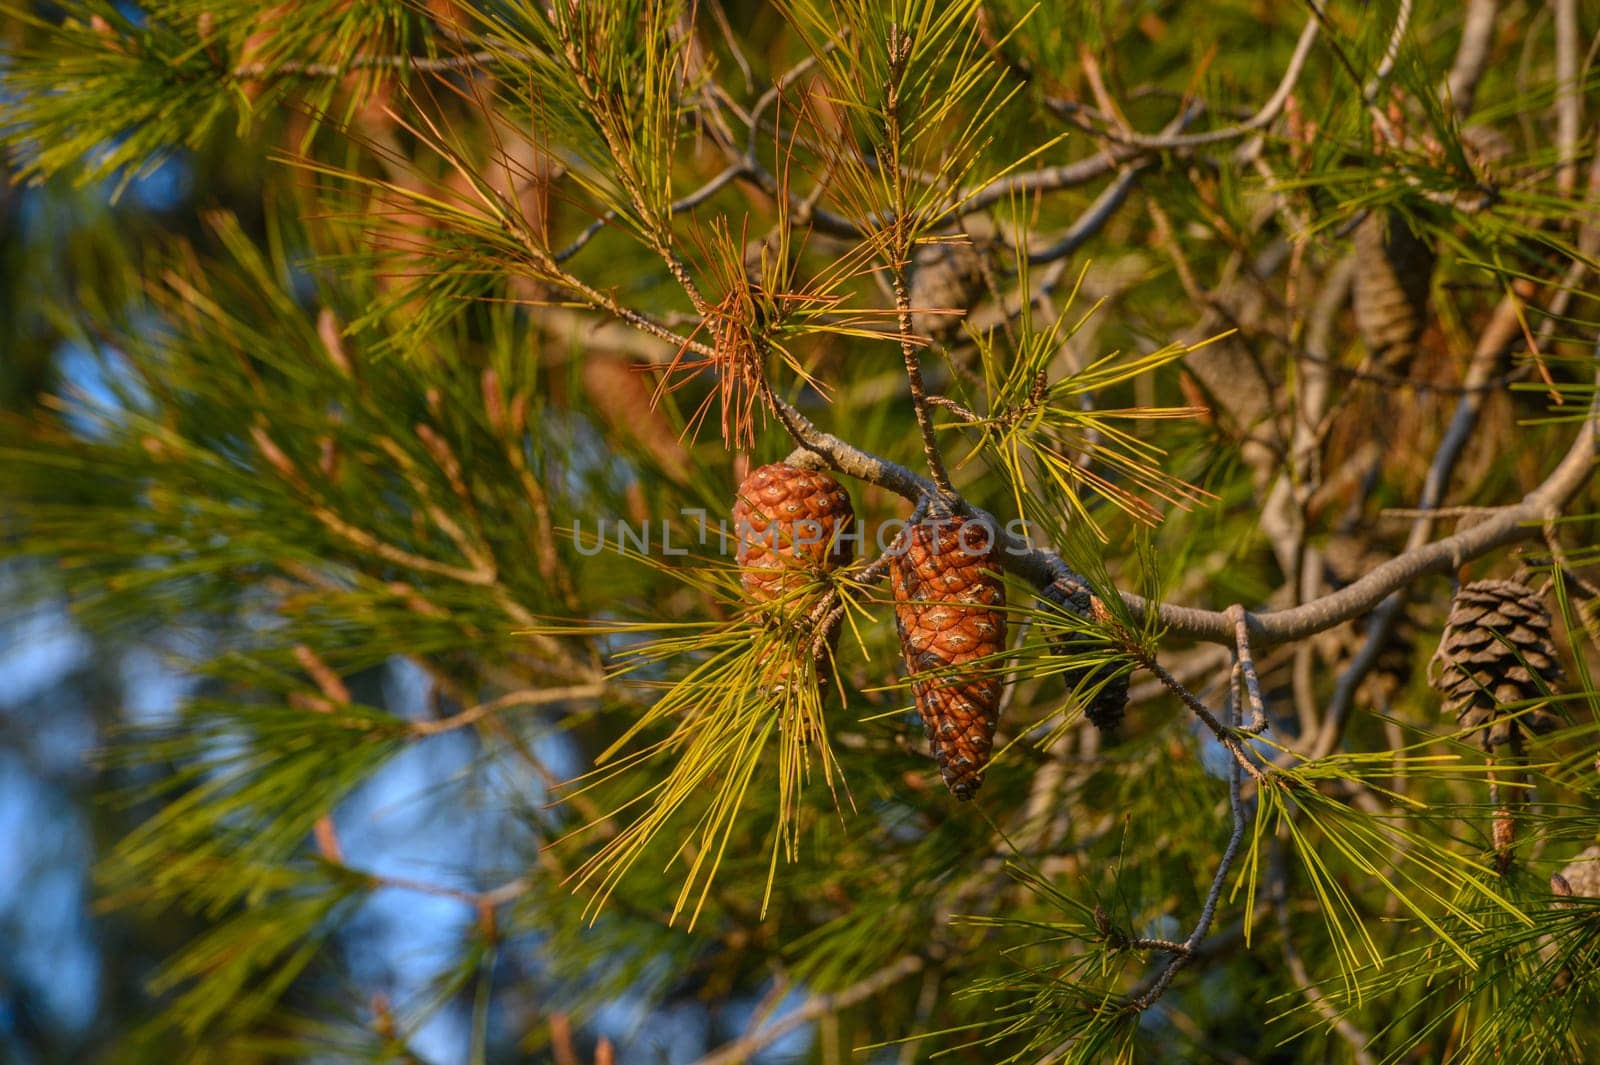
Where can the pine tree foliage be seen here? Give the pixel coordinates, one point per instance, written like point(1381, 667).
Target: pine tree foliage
point(1260, 330)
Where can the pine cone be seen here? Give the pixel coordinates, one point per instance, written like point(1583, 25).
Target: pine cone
point(949, 608)
point(1496, 650)
point(1393, 275)
point(1109, 704)
point(946, 280)
point(788, 521)
point(1581, 876)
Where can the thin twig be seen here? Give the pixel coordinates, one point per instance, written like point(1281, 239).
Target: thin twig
point(1226, 734)
point(1050, 178)
point(1094, 219)
point(530, 697)
point(688, 203)
point(814, 1007)
point(899, 52)
point(1569, 96)
point(1380, 77)
point(1472, 55)
point(1208, 912)
point(1263, 118)
point(1247, 666)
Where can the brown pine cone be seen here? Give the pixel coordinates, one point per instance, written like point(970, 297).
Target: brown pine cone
point(949, 608)
point(789, 521)
point(1496, 650)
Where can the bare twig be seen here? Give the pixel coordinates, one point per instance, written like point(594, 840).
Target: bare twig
point(1226, 734)
point(1247, 669)
point(530, 697)
point(814, 1007)
point(1472, 56)
point(1208, 912)
point(1050, 178)
point(1569, 96)
point(688, 203)
point(1094, 219)
point(1402, 23)
point(1263, 118)
point(899, 52)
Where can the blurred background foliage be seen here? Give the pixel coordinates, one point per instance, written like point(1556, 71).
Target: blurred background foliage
point(332, 333)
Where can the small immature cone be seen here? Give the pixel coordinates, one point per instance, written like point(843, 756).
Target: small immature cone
point(788, 521)
point(949, 608)
point(1504, 835)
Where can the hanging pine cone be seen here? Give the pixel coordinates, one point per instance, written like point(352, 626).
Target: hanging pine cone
point(789, 521)
point(1109, 703)
point(1394, 270)
point(1581, 876)
point(1496, 650)
point(1577, 954)
point(946, 282)
point(949, 608)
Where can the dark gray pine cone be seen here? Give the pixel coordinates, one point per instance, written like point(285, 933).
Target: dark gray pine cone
point(1108, 705)
point(946, 282)
point(1496, 651)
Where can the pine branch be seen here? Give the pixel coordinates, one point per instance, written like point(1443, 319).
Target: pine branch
point(1504, 525)
point(1264, 117)
point(899, 244)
